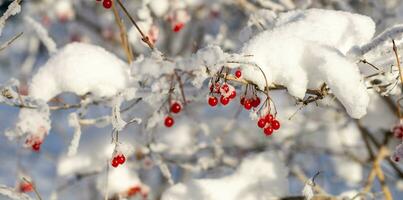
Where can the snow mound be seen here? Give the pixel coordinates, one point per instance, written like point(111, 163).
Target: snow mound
point(306, 49)
point(261, 175)
point(80, 68)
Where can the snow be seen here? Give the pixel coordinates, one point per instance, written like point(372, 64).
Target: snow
point(80, 68)
point(75, 123)
point(12, 194)
point(72, 164)
point(297, 55)
point(260, 175)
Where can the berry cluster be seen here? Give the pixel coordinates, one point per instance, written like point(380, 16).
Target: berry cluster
point(248, 103)
point(269, 124)
point(224, 91)
point(106, 3)
point(118, 160)
point(25, 187)
point(34, 142)
point(175, 108)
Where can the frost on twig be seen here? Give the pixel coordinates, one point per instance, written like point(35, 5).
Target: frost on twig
point(42, 34)
point(13, 9)
point(75, 123)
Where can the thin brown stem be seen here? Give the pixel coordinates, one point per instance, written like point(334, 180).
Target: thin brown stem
point(123, 35)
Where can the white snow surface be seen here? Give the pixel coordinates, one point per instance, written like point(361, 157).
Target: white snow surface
point(306, 49)
point(260, 176)
point(80, 68)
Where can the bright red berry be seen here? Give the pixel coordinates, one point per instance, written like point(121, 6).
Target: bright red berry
point(36, 146)
point(169, 121)
point(224, 100)
point(176, 107)
point(115, 162)
point(269, 118)
point(247, 105)
point(26, 187)
point(178, 27)
point(238, 73)
point(268, 130)
point(275, 124)
point(107, 4)
point(212, 101)
point(261, 123)
point(121, 159)
point(233, 94)
point(255, 102)
point(225, 87)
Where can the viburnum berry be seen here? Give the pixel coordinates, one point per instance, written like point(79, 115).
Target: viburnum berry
point(169, 121)
point(212, 101)
point(34, 143)
point(115, 162)
point(238, 73)
point(225, 87)
point(268, 130)
point(255, 102)
point(107, 4)
point(224, 100)
point(275, 124)
point(261, 123)
point(269, 118)
point(178, 27)
point(133, 191)
point(247, 105)
point(233, 94)
point(25, 187)
point(176, 107)
point(118, 160)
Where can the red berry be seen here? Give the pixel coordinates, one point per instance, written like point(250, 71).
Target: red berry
point(224, 100)
point(396, 158)
point(268, 130)
point(36, 146)
point(176, 107)
point(212, 101)
point(107, 4)
point(275, 124)
point(242, 100)
point(247, 105)
point(169, 121)
point(225, 87)
point(133, 190)
point(238, 73)
point(233, 94)
point(261, 123)
point(256, 102)
point(26, 187)
point(398, 131)
point(178, 27)
point(115, 162)
point(269, 118)
point(121, 159)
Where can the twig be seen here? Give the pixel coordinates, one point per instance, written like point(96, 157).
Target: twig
point(123, 35)
point(144, 38)
point(181, 87)
point(38, 196)
point(9, 42)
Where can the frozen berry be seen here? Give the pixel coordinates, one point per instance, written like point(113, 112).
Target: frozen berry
point(398, 131)
point(255, 102)
point(242, 101)
point(225, 87)
point(247, 105)
point(268, 130)
point(261, 123)
point(212, 101)
point(121, 159)
point(178, 27)
point(275, 124)
point(26, 187)
point(238, 73)
point(176, 107)
point(115, 162)
point(269, 118)
point(107, 4)
point(36, 146)
point(224, 100)
point(169, 121)
point(233, 94)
